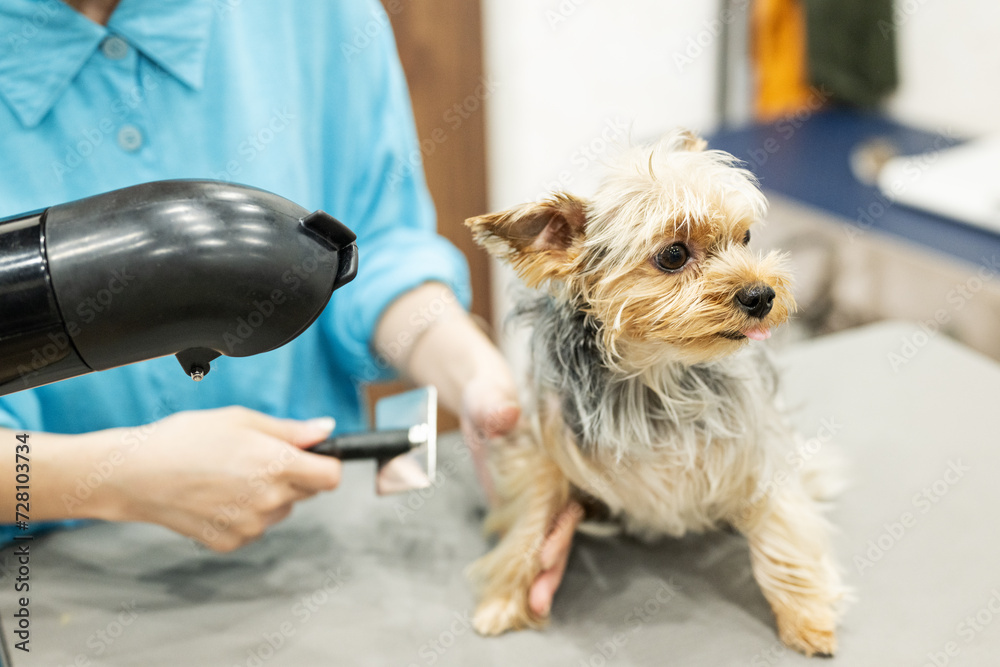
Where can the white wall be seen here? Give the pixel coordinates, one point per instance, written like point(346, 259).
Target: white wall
point(571, 75)
point(566, 70)
point(949, 56)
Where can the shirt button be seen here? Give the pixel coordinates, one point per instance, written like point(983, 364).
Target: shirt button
point(129, 138)
point(114, 47)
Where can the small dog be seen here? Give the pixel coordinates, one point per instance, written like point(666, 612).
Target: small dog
point(645, 402)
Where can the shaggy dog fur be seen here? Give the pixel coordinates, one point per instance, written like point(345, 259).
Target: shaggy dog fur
point(647, 399)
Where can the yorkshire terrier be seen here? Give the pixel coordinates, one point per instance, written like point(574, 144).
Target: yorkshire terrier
point(647, 400)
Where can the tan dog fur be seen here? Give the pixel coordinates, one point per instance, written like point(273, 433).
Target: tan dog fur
point(667, 419)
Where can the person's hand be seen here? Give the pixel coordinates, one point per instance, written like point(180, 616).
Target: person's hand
point(554, 555)
point(220, 476)
point(427, 336)
point(490, 411)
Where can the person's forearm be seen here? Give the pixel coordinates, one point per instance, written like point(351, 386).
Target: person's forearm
point(427, 336)
point(64, 474)
point(179, 472)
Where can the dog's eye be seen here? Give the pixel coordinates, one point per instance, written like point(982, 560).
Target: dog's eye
point(746, 238)
point(672, 258)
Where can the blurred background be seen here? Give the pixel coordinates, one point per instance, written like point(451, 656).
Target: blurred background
point(847, 110)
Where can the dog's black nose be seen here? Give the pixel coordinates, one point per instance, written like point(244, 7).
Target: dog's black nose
point(756, 300)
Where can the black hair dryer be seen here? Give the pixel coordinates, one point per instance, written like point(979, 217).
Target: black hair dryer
point(197, 269)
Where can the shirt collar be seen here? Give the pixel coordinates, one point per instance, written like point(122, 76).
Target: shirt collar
point(172, 34)
point(48, 43)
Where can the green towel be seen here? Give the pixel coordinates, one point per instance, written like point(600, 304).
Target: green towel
point(852, 49)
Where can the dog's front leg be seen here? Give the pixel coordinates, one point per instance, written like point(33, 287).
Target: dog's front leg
point(532, 491)
point(790, 554)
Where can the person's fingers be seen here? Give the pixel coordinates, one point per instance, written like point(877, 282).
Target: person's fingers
point(300, 433)
point(295, 493)
point(482, 470)
point(560, 538)
point(245, 527)
point(544, 587)
point(478, 448)
point(553, 559)
point(197, 529)
point(499, 419)
point(491, 407)
point(489, 410)
point(312, 473)
point(307, 433)
point(279, 514)
point(219, 533)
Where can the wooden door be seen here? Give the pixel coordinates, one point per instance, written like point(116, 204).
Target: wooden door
point(440, 46)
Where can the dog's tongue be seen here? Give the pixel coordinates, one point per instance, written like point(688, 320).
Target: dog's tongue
point(758, 333)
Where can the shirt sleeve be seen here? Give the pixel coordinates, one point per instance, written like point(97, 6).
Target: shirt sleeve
point(388, 204)
point(22, 412)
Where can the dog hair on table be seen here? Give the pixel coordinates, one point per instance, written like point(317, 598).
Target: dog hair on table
point(647, 397)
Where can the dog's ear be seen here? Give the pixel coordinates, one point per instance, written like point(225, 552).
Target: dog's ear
point(689, 141)
point(538, 239)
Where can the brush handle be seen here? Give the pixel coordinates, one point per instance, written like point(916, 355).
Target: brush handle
point(366, 445)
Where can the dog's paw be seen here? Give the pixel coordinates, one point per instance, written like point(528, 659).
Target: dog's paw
point(498, 615)
point(808, 639)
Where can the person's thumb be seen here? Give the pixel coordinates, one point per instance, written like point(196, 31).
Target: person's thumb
point(491, 408)
point(299, 433)
point(307, 433)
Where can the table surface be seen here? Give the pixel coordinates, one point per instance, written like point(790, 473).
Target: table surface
point(352, 579)
point(807, 158)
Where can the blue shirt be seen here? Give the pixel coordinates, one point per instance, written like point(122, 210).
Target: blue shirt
point(305, 99)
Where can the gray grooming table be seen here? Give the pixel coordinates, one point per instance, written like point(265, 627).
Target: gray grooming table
point(351, 579)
